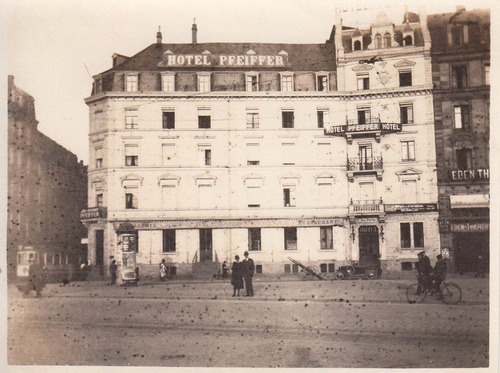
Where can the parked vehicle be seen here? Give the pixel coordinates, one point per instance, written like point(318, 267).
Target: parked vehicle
point(355, 271)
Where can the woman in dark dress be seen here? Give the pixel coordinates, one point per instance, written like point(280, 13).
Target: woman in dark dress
point(236, 276)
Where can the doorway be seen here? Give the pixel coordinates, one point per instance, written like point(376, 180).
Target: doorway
point(368, 245)
point(99, 247)
point(205, 245)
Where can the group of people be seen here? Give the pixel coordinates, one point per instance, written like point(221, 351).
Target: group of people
point(430, 277)
point(241, 274)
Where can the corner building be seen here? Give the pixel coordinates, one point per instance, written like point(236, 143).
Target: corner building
point(205, 150)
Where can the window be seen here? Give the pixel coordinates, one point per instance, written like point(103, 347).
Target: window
point(99, 200)
point(408, 40)
point(258, 268)
point(406, 113)
point(357, 45)
point(378, 41)
point(406, 266)
point(253, 154)
point(252, 119)
point(131, 157)
point(98, 85)
point(323, 118)
point(364, 115)
point(168, 153)
point(457, 35)
point(98, 163)
point(287, 83)
point(405, 235)
point(168, 82)
point(407, 151)
point(254, 239)
point(418, 234)
point(169, 240)
point(387, 40)
point(131, 118)
point(131, 83)
point(326, 238)
point(363, 82)
point(287, 118)
point(168, 119)
point(461, 114)
point(252, 83)
point(487, 74)
point(405, 78)
point(204, 120)
point(288, 153)
point(464, 159)
point(322, 83)
point(204, 83)
point(365, 156)
point(131, 201)
point(459, 76)
point(291, 239)
point(208, 157)
point(289, 196)
point(205, 154)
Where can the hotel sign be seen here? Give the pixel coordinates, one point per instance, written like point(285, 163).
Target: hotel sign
point(369, 127)
point(224, 60)
point(411, 207)
point(462, 175)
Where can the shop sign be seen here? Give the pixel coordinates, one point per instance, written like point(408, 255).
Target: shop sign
point(477, 174)
point(368, 127)
point(367, 220)
point(411, 207)
point(238, 223)
point(92, 213)
point(368, 229)
point(225, 60)
point(469, 227)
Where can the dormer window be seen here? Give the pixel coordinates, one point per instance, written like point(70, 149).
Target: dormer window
point(203, 82)
point(168, 82)
point(378, 41)
point(408, 40)
point(132, 83)
point(458, 34)
point(356, 45)
point(357, 40)
point(252, 82)
point(387, 40)
point(322, 82)
point(287, 82)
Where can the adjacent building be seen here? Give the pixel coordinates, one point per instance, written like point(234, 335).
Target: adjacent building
point(47, 188)
point(323, 153)
point(461, 77)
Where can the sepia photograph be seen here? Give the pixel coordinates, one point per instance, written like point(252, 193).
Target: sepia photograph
point(248, 186)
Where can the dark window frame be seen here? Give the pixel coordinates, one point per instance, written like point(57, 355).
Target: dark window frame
point(204, 121)
point(168, 120)
point(405, 78)
point(169, 241)
point(287, 119)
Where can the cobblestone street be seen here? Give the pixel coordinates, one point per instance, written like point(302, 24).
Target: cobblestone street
point(287, 324)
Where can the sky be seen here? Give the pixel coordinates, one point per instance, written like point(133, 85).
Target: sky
point(54, 47)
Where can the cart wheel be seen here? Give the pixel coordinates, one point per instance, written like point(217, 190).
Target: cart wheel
point(307, 273)
point(350, 270)
point(303, 274)
point(339, 274)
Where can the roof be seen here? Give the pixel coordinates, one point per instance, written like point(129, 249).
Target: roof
point(302, 57)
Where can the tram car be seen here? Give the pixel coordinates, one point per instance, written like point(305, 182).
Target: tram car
point(56, 263)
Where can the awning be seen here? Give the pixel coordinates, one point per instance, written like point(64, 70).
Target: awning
point(470, 201)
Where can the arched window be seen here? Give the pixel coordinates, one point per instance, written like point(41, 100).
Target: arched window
point(357, 45)
point(378, 41)
point(408, 40)
point(387, 40)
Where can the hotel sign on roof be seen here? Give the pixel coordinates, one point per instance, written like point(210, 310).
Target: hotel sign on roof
point(224, 60)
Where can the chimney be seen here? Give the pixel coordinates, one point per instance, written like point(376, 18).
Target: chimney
point(158, 36)
point(194, 29)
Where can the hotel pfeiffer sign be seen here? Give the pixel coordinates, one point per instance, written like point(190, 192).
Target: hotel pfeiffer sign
point(224, 60)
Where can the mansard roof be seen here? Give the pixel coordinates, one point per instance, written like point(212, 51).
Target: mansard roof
point(301, 57)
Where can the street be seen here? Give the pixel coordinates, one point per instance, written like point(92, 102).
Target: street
point(335, 324)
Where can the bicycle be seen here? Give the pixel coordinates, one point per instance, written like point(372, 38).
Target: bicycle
point(452, 294)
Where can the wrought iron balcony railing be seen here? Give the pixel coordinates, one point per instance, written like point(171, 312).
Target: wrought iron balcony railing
point(364, 164)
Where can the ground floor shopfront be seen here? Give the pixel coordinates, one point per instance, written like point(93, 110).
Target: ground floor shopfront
point(324, 243)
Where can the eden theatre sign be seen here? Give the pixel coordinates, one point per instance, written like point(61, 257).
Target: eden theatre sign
point(224, 60)
point(475, 174)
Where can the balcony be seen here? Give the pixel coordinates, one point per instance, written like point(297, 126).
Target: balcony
point(367, 207)
point(364, 166)
point(93, 213)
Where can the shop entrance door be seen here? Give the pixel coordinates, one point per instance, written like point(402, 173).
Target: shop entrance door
point(205, 245)
point(468, 247)
point(368, 245)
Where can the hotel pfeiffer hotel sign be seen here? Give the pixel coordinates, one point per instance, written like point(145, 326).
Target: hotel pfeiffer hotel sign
point(206, 59)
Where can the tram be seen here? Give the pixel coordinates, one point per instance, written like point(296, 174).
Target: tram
point(56, 263)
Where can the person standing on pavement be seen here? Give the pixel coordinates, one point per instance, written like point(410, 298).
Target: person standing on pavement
point(236, 276)
point(424, 270)
point(225, 270)
point(163, 270)
point(36, 278)
point(438, 275)
point(481, 267)
point(248, 270)
point(113, 268)
point(378, 265)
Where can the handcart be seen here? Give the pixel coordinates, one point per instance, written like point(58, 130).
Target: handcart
point(306, 273)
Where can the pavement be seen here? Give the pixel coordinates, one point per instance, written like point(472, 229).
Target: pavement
point(474, 290)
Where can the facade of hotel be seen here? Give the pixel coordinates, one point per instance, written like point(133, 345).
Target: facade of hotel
point(46, 192)
point(320, 152)
point(461, 68)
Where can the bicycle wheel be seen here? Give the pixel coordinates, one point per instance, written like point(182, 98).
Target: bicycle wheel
point(451, 293)
point(412, 296)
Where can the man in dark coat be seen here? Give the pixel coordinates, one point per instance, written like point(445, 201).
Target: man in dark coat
point(439, 274)
point(248, 268)
point(113, 268)
point(424, 269)
point(36, 278)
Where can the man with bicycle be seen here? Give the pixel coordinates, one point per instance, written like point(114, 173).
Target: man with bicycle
point(424, 269)
point(438, 275)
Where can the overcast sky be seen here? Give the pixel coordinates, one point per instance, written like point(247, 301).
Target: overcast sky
point(56, 46)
